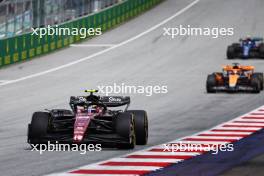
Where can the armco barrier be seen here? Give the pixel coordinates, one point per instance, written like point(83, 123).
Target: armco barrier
point(27, 46)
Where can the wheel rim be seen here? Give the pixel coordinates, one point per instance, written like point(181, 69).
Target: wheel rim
point(146, 128)
point(132, 137)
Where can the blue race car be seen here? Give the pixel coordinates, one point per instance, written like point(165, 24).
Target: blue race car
point(247, 48)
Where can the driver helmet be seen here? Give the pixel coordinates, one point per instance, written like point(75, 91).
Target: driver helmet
point(248, 38)
point(92, 109)
point(236, 65)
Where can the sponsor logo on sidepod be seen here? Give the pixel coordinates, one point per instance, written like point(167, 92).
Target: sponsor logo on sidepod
point(111, 99)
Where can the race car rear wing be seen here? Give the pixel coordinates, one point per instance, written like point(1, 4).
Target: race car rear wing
point(109, 101)
point(115, 101)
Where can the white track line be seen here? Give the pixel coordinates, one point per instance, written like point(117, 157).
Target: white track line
point(205, 142)
point(178, 146)
point(106, 50)
point(226, 132)
point(238, 128)
point(249, 115)
point(3, 81)
point(100, 167)
point(213, 137)
point(73, 174)
point(149, 160)
point(92, 45)
point(248, 120)
point(169, 153)
point(246, 125)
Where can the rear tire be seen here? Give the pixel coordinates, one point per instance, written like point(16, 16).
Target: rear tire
point(261, 79)
point(261, 50)
point(210, 83)
point(230, 52)
point(141, 126)
point(38, 127)
point(125, 127)
point(255, 83)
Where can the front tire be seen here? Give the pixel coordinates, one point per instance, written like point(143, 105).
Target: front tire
point(210, 83)
point(141, 126)
point(261, 50)
point(38, 127)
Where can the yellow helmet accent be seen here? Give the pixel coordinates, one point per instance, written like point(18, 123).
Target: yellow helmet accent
point(91, 91)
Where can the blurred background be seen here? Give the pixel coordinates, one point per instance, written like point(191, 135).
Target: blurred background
point(19, 16)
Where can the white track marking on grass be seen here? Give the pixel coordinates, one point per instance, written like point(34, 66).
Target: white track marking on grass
point(106, 50)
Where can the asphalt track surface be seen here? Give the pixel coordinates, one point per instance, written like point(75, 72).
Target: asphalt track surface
point(152, 59)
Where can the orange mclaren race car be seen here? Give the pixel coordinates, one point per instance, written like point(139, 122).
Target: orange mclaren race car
point(235, 78)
